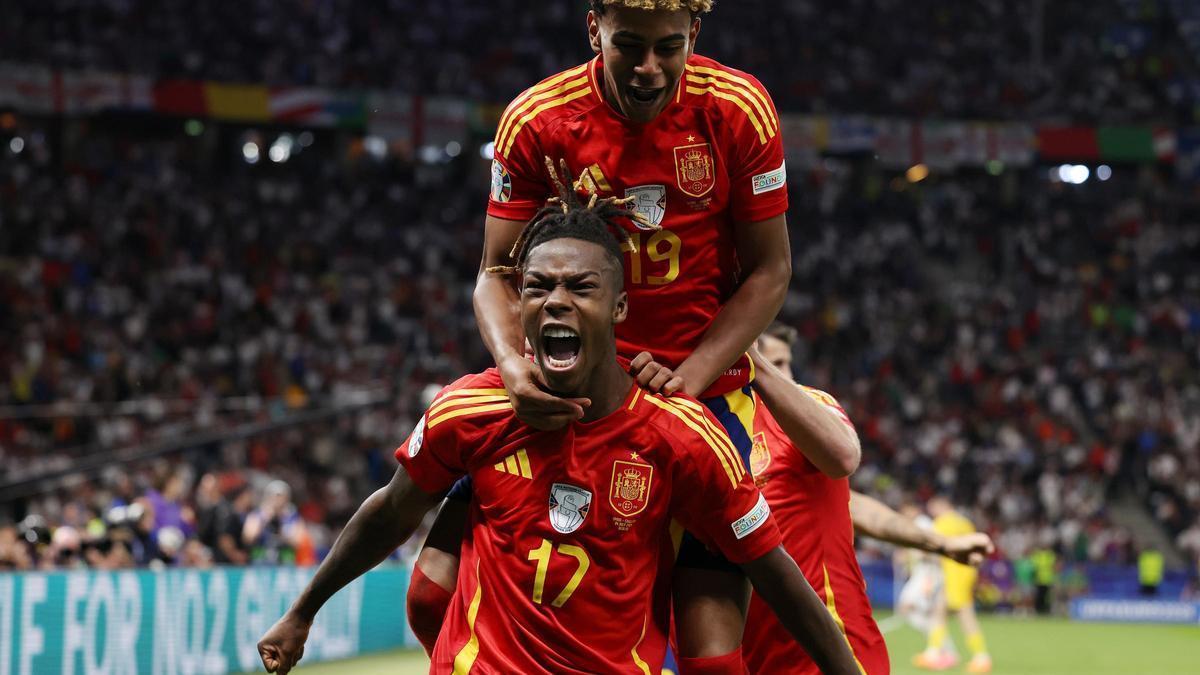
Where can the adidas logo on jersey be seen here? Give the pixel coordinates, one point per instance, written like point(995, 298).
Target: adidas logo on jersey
point(516, 464)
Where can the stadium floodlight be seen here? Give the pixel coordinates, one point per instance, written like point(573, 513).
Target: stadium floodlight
point(453, 149)
point(305, 139)
point(250, 152)
point(1079, 174)
point(281, 149)
point(1104, 172)
point(995, 167)
point(488, 150)
point(17, 144)
point(375, 146)
point(193, 127)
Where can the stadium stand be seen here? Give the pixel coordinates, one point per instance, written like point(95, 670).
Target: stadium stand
point(161, 287)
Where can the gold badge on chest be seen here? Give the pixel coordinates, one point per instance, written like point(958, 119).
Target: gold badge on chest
point(694, 170)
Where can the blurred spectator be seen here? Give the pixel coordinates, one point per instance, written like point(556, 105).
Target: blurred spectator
point(1084, 59)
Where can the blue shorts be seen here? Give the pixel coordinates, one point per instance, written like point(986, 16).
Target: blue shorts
point(735, 411)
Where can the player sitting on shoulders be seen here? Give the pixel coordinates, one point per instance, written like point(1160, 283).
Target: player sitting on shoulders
point(697, 146)
point(567, 559)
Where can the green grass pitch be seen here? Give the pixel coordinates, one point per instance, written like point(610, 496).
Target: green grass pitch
point(1018, 646)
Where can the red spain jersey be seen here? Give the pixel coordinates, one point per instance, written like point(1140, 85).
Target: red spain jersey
point(813, 513)
point(570, 539)
point(711, 159)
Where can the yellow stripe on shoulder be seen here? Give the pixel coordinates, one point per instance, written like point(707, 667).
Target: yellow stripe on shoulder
point(538, 88)
point(503, 147)
point(446, 404)
point(736, 100)
point(730, 471)
point(471, 410)
point(716, 435)
point(737, 79)
point(738, 90)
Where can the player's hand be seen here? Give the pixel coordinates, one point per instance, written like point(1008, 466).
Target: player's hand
point(654, 376)
point(531, 403)
point(283, 645)
point(968, 549)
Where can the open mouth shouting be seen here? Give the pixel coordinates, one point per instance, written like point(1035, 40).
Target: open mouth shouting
point(644, 98)
point(561, 347)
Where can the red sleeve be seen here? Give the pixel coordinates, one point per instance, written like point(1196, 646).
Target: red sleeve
point(457, 422)
point(519, 182)
point(758, 176)
point(431, 456)
point(717, 500)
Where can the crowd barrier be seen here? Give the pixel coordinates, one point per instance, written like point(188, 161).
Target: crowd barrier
point(184, 622)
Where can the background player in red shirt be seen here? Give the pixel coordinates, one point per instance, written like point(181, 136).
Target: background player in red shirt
point(568, 553)
point(802, 456)
point(697, 145)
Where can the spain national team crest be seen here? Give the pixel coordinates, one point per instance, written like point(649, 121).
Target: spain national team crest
point(569, 506)
point(760, 455)
point(694, 169)
point(630, 489)
point(650, 201)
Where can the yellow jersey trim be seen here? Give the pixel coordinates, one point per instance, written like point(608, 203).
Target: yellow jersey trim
point(447, 403)
point(476, 410)
point(719, 435)
point(642, 665)
point(730, 470)
point(516, 130)
point(742, 406)
point(754, 91)
point(505, 137)
point(831, 605)
point(511, 111)
point(721, 84)
point(762, 136)
point(465, 659)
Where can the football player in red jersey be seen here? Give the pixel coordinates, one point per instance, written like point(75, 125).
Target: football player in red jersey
point(804, 448)
point(697, 146)
point(569, 548)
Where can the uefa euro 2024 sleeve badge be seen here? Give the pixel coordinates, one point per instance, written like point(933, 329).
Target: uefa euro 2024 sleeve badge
point(569, 506)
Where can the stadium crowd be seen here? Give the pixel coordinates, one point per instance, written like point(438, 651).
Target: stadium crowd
point(984, 348)
point(1114, 61)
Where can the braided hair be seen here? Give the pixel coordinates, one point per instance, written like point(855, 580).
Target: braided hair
point(567, 216)
point(696, 7)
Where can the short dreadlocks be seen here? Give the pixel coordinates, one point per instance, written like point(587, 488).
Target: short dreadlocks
point(696, 7)
point(567, 216)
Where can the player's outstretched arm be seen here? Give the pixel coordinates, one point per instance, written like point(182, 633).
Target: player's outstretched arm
point(826, 440)
point(497, 311)
point(780, 583)
point(765, 258)
point(384, 521)
point(873, 518)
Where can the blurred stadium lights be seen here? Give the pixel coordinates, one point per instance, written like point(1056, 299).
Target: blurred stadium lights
point(305, 139)
point(250, 152)
point(917, 173)
point(431, 154)
point(453, 149)
point(1104, 172)
point(17, 144)
point(995, 167)
point(375, 146)
point(193, 127)
point(487, 150)
point(281, 149)
point(1075, 174)
point(8, 121)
